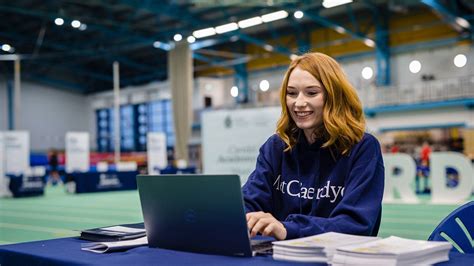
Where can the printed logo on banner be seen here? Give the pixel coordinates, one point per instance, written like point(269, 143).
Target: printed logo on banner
point(109, 181)
point(231, 139)
point(32, 182)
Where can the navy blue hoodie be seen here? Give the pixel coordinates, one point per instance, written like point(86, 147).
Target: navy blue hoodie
point(312, 192)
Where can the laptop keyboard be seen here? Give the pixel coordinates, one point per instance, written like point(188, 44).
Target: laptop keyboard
point(261, 246)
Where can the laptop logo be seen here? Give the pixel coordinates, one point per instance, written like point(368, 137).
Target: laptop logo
point(190, 216)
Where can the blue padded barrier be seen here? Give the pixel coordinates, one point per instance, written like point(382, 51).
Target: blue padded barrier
point(457, 228)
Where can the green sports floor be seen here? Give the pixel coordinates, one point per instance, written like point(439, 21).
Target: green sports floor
point(59, 214)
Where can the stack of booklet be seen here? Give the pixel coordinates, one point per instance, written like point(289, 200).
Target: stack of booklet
point(317, 248)
point(114, 233)
point(393, 251)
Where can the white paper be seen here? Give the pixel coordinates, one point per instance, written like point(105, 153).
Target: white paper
point(324, 240)
point(103, 247)
point(317, 248)
point(123, 229)
point(396, 246)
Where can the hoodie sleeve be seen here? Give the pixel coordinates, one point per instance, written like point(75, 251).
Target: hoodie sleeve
point(257, 191)
point(360, 208)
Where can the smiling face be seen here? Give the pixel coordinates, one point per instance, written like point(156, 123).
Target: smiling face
point(305, 101)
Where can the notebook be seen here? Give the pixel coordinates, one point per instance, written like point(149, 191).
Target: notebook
point(114, 233)
point(197, 213)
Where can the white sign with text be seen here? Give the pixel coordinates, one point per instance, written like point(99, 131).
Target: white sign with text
point(4, 191)
point(2, 156)
point(77, 152)
point(231, 139)
point(400, 174)
point(440, 193)
point(156, 152)
point(17, 152)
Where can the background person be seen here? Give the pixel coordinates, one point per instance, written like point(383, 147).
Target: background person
point(395, 148)
point(424, 167)
point(53, 160)
point(425, 153)
point(320, 172)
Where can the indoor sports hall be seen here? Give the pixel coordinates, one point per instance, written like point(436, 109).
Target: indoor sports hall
point(95, 93)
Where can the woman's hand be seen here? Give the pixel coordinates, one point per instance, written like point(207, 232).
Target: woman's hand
point(265, 224)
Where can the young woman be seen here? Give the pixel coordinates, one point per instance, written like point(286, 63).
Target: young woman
point(320, 172)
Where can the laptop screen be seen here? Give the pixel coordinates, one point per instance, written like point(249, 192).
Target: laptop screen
point(197, 213)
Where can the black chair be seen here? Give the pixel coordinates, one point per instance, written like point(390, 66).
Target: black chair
point(457, 228)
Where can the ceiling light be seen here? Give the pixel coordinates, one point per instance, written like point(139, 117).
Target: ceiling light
point(415, 66)
point(340, 29)
point(460, 60)
point(59, 21)
point(75, 23)
point(250, 22)
point(333, 3)
point(369, 42)
point(191, 39)
point(463, 23)
point(163, 46)
point(274, 16)
point(367, 72)
point(157, 44)
point(83, 27)
point(264, 85)
point(6, 47)
point(204, 32)
point(227, 27)
point(268, 47)
point(234, 91)
point(177, 37)
point(298, 14)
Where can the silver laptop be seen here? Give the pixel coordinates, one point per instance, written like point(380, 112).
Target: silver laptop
point(197, 213)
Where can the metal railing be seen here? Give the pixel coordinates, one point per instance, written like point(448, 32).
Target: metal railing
point(423, 92)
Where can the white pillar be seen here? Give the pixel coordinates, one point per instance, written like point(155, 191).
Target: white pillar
point(116, 112)
point(180, 74)
point(17, 96)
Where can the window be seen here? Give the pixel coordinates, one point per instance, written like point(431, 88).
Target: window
point(135, 122)
point(142, 126)
point(161, 119)
point(103, 130)
point(127, 128)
